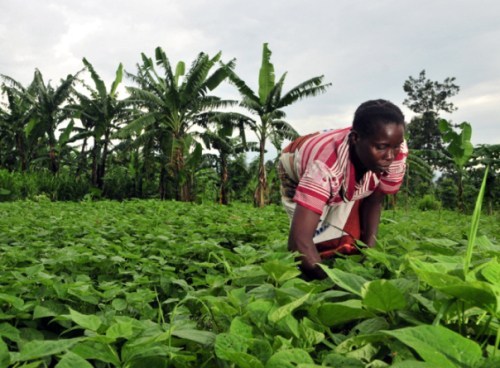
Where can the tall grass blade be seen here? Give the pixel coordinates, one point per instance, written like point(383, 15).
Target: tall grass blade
point(475, 224)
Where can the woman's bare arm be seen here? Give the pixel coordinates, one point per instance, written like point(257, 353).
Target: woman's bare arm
point(304, 224)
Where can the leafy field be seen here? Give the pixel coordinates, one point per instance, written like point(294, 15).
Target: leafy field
point(167, 284)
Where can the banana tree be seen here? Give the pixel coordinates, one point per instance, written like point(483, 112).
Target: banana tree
point(170, 105)
point(99, 111)
point(19, 103)
point(221, 139)
point(460, 150)
point(267, 104)
point(49, 113)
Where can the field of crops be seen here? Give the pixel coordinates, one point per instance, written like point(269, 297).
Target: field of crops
point(166, 284)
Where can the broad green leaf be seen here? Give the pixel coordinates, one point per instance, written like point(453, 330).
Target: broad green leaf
point(134, 355)
point(339, 360)
point(439, 346)
point(98, 351)
point(240, 328)
point(259, 310)
point(289, 359)
point(477, 293)
point(12, 300)
point(9, 331)
point(412, 364)
point(370, 325)
point(491, 272)
point(121, 329)
point(334, 314)
point(41, 312)
point(287, 309)
point(358, 342)
point(42, 348)
point(201, 337)
point(4, 355)
point(432, 275)
point(382, 295)
point(119, 304)
point(226, 343)
point(243, 360)
point(347, 281)
point(279, 271)
point(266, 75)
point(72, 360)
point(87, 321)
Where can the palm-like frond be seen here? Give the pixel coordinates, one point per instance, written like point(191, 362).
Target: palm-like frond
point(283, 129)
point(309, 88)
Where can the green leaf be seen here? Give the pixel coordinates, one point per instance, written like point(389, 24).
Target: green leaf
point(491, 272)
point(287, 309)
point(289, 359)
point(477, 293)
point(266, 75)
point(98, 351)
point(119, 304)
point(240, 328)
point(72, 360)
point(201, 337)
point(121, 329)
point(10, 332)
point(382, 295)
point(439, 346)
point(226, 343)
point(12, 300)
point(42, 348)
point(346, 280)
point(475, 223)
point(333, 314)
point(89, 322)
point(279, 271)
point(4, 355)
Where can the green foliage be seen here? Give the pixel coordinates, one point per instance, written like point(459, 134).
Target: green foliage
point(460, 147)
point(268, 104)
point(428, 202)
point(171, 284)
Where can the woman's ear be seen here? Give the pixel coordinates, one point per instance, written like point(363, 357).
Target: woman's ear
point(353, 137)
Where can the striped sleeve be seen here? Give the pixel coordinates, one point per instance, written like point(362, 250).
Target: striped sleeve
point(392, 180)
point(314, 188)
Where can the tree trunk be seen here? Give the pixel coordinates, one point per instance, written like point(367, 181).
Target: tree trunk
point(163, 182)
point(101, 169)
point(95, 164)
point(224, 176)
point(260, 197)
point(182, 190)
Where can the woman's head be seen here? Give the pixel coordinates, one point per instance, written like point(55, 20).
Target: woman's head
point(376, 136)
point(369, 113)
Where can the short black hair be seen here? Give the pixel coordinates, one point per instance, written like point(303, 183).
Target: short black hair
point(369, 113)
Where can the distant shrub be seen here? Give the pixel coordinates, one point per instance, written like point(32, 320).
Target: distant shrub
point(428, 203)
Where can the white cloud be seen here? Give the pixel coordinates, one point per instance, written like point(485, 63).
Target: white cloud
point(366, 49)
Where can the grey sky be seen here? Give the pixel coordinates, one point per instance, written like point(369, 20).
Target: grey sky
point(367, 49)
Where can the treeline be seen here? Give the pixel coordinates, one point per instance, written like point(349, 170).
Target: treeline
point(151, 142)
point(172, 137)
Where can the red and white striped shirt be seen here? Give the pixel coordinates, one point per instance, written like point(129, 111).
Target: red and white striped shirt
point(326, 176)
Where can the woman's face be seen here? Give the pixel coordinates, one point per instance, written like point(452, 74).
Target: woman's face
point(377, 151)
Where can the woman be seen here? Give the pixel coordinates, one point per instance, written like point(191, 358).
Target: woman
point(333, 183)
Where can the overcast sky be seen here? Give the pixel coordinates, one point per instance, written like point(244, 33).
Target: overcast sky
point(366, 49)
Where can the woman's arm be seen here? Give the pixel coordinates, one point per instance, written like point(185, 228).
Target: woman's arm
point(369, 215)
point(304, 224)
